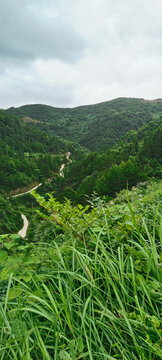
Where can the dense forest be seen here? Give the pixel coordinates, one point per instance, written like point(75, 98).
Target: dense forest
point(95, 127)
point(137, 157)
point(10, 216)
point(84, 282)
point(28, 154)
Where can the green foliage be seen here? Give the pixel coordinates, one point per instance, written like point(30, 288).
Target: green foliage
point(94, 296)
point(10, 216)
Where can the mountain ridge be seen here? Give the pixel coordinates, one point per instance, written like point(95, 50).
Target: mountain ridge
point(84, 105)
point(95, 127)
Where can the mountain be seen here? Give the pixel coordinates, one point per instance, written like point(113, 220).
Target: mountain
point(95, 127)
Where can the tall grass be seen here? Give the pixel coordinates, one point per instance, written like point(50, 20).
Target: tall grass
point(95, 301)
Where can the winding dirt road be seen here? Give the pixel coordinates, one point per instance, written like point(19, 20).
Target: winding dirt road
point(26, 192)
point(24, 229)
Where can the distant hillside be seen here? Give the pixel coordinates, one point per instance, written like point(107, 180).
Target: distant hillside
point(96, 127)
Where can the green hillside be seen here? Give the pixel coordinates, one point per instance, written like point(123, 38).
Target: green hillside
point(28, 154)
point(137, 157)
point(95, 127)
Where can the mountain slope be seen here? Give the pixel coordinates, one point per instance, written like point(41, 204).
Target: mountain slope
point(28, 154)
point(137, 157)
point(96, 127)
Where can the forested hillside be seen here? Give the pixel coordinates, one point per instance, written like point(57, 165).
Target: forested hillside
point(27, 154)
point(137, 157)
point(95, 127)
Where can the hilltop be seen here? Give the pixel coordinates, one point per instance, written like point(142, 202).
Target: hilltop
point(95, 127)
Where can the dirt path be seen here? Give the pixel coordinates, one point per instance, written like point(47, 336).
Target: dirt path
point(63, 165)
point(23, 231)
point(61, 170)
point(26, 192)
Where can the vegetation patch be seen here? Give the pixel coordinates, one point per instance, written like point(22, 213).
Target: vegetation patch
point(90, 290)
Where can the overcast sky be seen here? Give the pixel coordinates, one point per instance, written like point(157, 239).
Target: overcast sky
point(75, 52)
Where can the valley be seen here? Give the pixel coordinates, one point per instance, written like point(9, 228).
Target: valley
point(81, 231)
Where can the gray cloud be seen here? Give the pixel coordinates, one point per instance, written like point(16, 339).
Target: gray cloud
point(29, 31)
point(21, 93)
point(72, 52)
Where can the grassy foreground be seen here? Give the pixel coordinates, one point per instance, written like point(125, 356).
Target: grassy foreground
point(92, 292)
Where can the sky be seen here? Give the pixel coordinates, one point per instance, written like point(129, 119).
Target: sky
point(67, 53)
